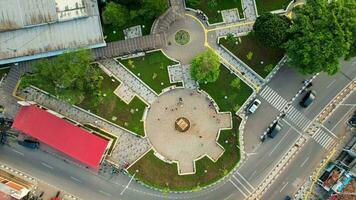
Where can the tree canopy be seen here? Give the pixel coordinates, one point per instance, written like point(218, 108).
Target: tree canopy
point(115, 14)
point(321, 34)
point(271, 29)
point(68, 76)
point(206, 67)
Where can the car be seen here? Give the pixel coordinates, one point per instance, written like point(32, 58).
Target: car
point(287, 198)
point(352, 120)
point(308, 99)
point(274, 130)
point(253, 106)
point(29, 144)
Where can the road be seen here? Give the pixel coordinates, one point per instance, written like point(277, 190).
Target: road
point(260, 159)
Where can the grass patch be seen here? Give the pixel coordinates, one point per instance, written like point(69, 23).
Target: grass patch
point(271, 5)
point(155, 172)
point(151, 69)
point(108, 105)
point(182, 37)
point(212, 10)
point(252, 52)
point(103, 134)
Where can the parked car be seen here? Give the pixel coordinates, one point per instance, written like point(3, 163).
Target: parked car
point(308, 98)
point(29, 144)
point(287, 198)
point(253, 106)
point(274, 130)
point(352, 120)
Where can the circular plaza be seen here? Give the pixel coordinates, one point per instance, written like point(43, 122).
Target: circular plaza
point(183, 125)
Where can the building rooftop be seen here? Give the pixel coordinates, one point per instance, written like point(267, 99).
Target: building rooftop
point(61, 135)
point(32, 29)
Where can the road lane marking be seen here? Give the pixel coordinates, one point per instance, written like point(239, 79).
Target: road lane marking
point(122, 192)
point(300, 133)
point(332, 82)
point(249, 192)
point(77, 180)
point(245, 180)
point(346, 115)
point(228, 197)
point(305, 161)
point(105, 193)
point(285, 185)
point(46, 165)
point(237, 188)
point(253, 173)
point(280, 141)
point(18, 152)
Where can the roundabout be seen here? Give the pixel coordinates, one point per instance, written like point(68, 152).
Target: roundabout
point(182, 37)
point(183, 126)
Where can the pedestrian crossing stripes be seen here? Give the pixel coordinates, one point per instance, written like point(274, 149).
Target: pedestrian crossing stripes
point(241, 184)
point(297, 118)
point(273, 98)
point(324, 139)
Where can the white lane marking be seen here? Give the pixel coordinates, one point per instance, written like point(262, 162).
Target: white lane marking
point(79, 181)
point(105, 193)
point(243, 178)
point(122, 192)
point(332, 82)
point(18, 152)
point(305, 161)
point(249, 192)
point(285, 185)
point(237, 188)
point(253, 173)
point(228, 197)
point(280, 141)
point(347, 114)
point(46, 165)
point(296, 130)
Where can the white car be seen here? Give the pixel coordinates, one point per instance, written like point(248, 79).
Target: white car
point(254, 105)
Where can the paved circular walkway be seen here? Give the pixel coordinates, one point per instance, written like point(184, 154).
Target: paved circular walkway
point(185, 53)
point(199, 140)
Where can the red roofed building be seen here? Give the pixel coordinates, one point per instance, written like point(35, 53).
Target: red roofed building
point(61, 135)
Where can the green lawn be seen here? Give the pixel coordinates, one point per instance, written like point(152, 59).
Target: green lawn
point(154, 172)
point(152, 69)
point(271, 5)
point(212, 10)
point(3, 71)
point(112, 106)
point(108, 106)
point(260, 53)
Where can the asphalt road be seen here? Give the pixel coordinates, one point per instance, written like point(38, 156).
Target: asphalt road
point(260, 160)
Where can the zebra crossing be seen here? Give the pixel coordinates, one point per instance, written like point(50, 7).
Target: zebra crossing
point(241, 184)
point(297, 118)
point(324, 139)
point(273, 98)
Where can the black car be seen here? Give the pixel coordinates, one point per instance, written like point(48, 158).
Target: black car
point(30, 144)
point(308, 99)
point(273, 130)
point(352, 120)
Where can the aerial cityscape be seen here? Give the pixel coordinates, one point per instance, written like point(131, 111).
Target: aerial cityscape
point(177, 100)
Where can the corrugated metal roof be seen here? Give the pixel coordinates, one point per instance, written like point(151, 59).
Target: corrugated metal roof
point(16, 14)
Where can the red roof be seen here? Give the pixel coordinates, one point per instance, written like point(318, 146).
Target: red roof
point(61, 135)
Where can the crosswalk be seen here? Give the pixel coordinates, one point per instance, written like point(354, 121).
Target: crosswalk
point(241, 184)
point(297, 118)
point(324, 139)
point(273, 98)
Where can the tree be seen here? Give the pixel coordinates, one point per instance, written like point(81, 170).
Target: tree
point(115, 14)
point(271, 29)
point(154, 8)
point(231, 38)
point(206, 67)
point(322, 34)
point(69, 76)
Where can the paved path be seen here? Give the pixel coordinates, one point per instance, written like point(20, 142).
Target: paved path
point(249, 9)
point(129, 147)
point(130, 46)
point(181, 73)
point(131, 82)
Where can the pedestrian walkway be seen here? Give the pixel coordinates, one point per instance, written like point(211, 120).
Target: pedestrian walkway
point(130, 46)
point(132, 83)
point(129, 147)
point(324, 139)
point(189, 82)
point(241, 184)
point(181, 73)
point(249, 76)
point(235, 30)
point(273, 98)
point(249, 7)
point(298, 118)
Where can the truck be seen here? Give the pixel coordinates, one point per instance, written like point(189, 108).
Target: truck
point(29, 144)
